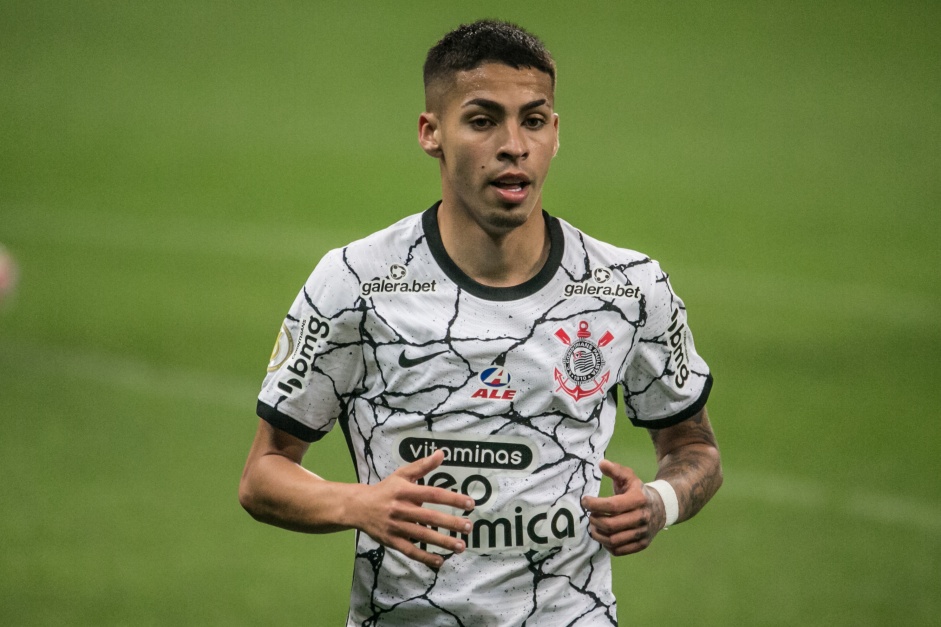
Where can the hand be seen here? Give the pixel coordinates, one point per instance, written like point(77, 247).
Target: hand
point(628, 521)
point(391, 512)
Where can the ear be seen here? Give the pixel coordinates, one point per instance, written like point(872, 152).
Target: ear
point(429, 137)
point(555, 125)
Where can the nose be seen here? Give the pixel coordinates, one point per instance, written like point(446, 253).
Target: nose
point(513, 147)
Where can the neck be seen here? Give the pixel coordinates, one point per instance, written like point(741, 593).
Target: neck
point(496, 259)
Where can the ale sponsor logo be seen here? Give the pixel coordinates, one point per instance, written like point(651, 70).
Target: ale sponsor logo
point(583, 372)
point(297, 367)
point(395, 283)
point(496, 381)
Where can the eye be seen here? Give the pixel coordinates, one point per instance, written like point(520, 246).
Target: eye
point(534, 123)
point(481, 123)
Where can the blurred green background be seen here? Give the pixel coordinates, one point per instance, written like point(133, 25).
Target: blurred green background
point(170, 173)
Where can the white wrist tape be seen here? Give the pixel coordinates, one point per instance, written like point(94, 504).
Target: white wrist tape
point(670, 503)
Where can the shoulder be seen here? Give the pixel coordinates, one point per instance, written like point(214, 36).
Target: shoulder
point(372, 255)
point(385, 255)
point(374, 249)
point(406, 232)
point(586, 253)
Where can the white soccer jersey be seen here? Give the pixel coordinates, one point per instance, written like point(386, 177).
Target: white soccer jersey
point(517, 385)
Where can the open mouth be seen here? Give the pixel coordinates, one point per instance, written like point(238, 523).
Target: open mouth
point(511, 183)
point(510, 187)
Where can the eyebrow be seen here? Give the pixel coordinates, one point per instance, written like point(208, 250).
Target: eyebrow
point(491, 105)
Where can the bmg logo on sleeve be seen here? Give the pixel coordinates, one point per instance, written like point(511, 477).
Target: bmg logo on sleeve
point(678, 346)
point(301, 360)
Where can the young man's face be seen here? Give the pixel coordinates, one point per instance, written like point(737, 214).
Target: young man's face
point(495, 132)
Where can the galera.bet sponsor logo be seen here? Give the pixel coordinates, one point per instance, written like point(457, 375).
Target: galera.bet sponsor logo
point(583, 372)
point(600, 284)
point(301, 356)
point(395, 283)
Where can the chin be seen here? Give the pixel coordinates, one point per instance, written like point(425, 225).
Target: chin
point(509, 218)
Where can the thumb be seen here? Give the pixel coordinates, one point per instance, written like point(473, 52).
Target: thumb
point(621, 476)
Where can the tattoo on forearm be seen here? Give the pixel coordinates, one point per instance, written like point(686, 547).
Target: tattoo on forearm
point(698, 474)
point(689, 459)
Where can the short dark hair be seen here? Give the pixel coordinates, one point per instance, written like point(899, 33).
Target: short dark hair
point(470, 45)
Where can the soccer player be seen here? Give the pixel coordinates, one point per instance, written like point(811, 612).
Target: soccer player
point(472, 355)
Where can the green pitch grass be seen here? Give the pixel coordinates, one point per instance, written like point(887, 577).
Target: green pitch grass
point(171, 172)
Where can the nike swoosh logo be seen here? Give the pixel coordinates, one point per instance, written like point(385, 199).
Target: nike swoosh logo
point(407, 362)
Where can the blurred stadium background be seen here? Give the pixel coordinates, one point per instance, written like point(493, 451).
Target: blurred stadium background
point(170, 172)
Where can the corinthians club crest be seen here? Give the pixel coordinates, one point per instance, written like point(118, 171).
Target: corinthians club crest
point(582, 363)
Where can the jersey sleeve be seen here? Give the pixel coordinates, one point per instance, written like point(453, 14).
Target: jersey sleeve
point(317, 358)
point(666, 380)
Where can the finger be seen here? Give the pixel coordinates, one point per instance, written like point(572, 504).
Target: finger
point(622, 543)
point(613, 505)
point(630, 548)
point(421, 467)
point(626, 538)
point(609, 525)
point(417, 533)
point(435, 519)
point(627, 549)
point(441, 496)
point(412, 551)
point(620, 535)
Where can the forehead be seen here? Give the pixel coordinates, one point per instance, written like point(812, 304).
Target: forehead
point(499, 83)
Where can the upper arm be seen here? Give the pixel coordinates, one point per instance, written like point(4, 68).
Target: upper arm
point(666, 381)
point(695, 430)
point(269, 441)
point(272, 441)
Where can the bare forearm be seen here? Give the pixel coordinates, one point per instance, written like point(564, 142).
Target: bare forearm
point(695, 472)
point(688, 457)
point(277, 491)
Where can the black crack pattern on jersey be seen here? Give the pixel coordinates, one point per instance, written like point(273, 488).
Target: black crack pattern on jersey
point(642, 312)
point(665, 279)
point(623, 267)
point(330, 347)
point(376, 333)
point(580, 467)
point(409, 254)
point(585, 262)
point(379, 612)
point(349, 266)
point(536, 563)
point(374, 557)
point(631, 393)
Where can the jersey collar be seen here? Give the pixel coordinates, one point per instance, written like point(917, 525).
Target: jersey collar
point(486, 292)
